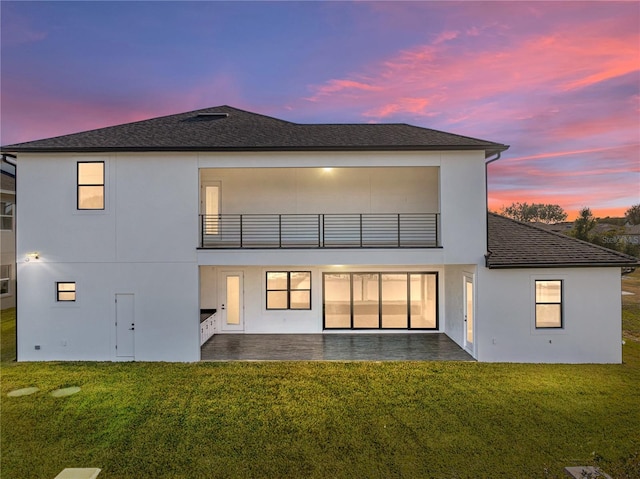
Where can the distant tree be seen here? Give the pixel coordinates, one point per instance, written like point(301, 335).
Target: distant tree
point(543, 213)
point(633, 214)
point(548, 213)
point(582, 226)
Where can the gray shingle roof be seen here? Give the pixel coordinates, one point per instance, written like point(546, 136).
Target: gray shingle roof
point(521, 245)
point(239, 130)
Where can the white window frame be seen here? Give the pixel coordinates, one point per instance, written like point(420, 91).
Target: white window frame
point(535, 329)
point(58, 291)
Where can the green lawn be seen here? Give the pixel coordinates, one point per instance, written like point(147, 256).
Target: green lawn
point(631, 305)
point(8, 335)
point(311, 419)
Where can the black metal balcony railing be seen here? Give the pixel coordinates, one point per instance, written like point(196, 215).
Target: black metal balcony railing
point(367, 230)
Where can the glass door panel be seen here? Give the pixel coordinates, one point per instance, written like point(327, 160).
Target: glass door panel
point(232, 301)
point(337, 300)
point(394, 301)
point(468, 313)
point(423, 301)
point(366, 300)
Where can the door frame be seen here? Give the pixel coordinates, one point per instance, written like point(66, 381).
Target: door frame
point(121, 327)
point(222, 302)
point(469, 326)
point(216, 234)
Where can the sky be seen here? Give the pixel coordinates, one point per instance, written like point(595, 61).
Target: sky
point(557, 81)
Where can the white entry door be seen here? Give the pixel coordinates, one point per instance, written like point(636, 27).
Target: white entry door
point(125, 326)
point(231, 294)
point(469, 314)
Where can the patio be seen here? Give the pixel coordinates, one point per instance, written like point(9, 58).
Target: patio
point(332, 347)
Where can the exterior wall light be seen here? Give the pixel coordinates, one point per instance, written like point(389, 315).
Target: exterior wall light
point(33, 255)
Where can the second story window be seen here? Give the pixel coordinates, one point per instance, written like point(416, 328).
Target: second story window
point(6, 215)
point(91, 185)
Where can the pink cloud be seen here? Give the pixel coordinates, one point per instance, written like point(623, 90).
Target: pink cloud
point(551, 62)
point(412, 105)
point(343, 87)
point(561, 94)
point(446, 36)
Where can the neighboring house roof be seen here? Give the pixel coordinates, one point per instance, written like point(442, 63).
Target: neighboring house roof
point(521, 245)
point(224, 128)
point(631, 230)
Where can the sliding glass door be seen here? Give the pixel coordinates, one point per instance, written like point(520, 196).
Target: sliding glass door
point(395, 300)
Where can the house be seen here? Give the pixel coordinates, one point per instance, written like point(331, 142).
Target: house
point(7, 237)
point(129, 236)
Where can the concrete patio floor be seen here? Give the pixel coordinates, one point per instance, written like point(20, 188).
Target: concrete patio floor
point(332, 347)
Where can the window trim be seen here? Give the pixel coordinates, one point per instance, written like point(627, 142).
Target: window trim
point(288, 291)
point(80, 185)
point(74, 291)
point(536, 303)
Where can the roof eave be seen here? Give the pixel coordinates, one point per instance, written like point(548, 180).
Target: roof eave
point(562, 265)
point(488, 151)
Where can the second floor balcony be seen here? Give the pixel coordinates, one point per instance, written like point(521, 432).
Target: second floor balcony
point(348, 230)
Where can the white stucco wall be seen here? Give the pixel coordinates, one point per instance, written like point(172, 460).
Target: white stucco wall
point(463, 207)
point(454, 301)
point(592, 317)
point(144, 242)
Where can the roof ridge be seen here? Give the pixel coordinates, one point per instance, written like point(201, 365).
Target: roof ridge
point(249, 131)
point(565, 237)
point(247, 112)
point(109, 126)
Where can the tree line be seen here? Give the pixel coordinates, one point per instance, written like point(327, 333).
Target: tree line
point(584, 226)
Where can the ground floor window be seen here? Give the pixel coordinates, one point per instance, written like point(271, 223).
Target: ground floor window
point(380, 300)
point(66, 292)
point(288, 290)
point(548, 303)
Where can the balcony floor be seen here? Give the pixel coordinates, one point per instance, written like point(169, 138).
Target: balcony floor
point(333, 347)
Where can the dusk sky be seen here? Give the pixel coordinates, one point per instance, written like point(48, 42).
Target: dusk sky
point(558, 81)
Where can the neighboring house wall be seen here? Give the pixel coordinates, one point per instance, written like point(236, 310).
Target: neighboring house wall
point(591, 314)
point(7, 242)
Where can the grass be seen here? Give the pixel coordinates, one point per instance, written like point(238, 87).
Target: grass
point(8, 335)
point(631, 306)
point(314, 419)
